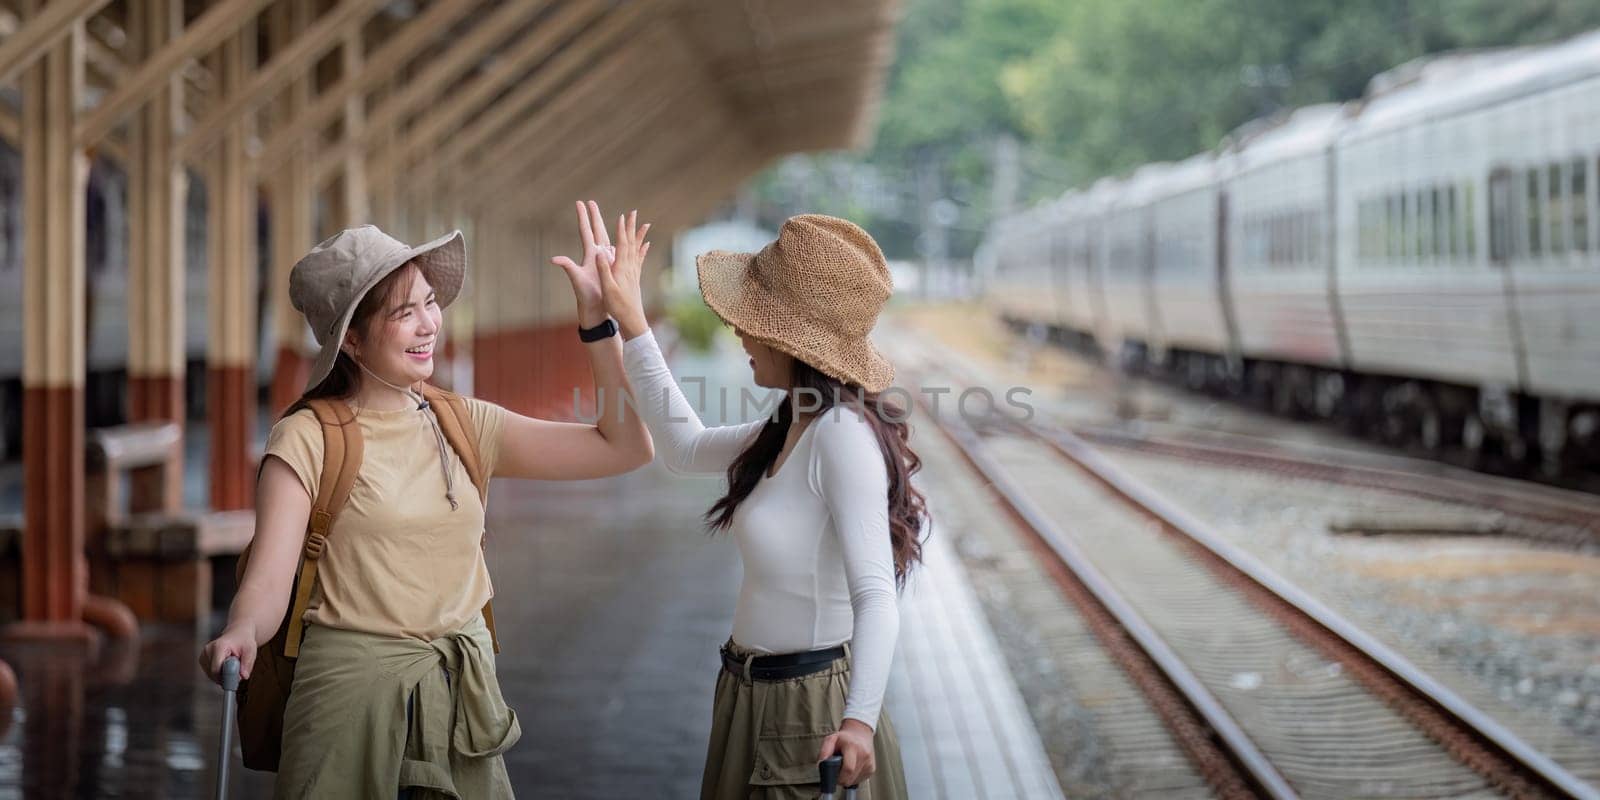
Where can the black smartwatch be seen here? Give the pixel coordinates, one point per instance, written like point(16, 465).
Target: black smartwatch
point(598, 332)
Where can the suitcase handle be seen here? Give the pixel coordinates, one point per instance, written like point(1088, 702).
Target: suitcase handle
point(230, 674)
point(230, 684)
point(828, 776)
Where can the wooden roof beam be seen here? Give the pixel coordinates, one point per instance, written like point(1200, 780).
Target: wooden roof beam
point(439, 72)
point(428, 129)
point(11, 134)
point(591, 103)
point(499, 182)
point(217, 23)
point(594, 94)
point(287, 64)
point(380, 66)
point(571, 67)
point(635, 160)
point(41, 31)
point(679, 108)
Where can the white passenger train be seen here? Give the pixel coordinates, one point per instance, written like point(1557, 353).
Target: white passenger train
point(1423, 263)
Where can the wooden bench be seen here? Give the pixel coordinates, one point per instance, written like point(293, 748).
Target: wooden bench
point(145, 550)
point(160, 563)
point(148, 456)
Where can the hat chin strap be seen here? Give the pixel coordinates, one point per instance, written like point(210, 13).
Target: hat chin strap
point(416, 398)
point(438, 434)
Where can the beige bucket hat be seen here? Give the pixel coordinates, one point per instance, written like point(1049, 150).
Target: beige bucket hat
point(815, 294)
point(328, 283)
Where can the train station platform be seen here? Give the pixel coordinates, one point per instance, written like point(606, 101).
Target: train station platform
point(612, 600)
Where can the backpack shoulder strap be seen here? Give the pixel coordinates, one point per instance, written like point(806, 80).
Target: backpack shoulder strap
point(456, 423)
point(341, 460)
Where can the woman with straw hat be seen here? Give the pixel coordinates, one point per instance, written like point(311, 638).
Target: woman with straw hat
point(394, 686)
point(819, 499)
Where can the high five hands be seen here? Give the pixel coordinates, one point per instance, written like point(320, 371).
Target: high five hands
point(607, 282)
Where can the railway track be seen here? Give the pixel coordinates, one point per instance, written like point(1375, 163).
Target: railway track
point(1267, 691)
point(1533, 511)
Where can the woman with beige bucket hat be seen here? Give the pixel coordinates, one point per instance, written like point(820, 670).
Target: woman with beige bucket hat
point(819, 500)
point(394, 689)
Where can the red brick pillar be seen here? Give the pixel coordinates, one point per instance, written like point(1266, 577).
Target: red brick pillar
point(157, 191)
point(230, 358)
point(54, 176)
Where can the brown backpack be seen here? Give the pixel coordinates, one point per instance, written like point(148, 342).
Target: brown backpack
point(263, 698)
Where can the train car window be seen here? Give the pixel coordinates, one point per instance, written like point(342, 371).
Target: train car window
point(1380, 227)
point(1501, 207)
point(1367, 222)
point(1258, 243)
point(1469, 221)
point(1263, 243)
point(1297, 238)
point(1440, 224)
point(1557, 210)
point(1308, 238)
point(1286, 240)
point(1391, 227)
point(1408, 225)
point(1289, 246)
point(1361, 230)
point(1578, 201)
point(1308, 242)
point(1314, 225)
point(1533, 223)
point(1291, 223)
point(1395, 232)
point(1452, 226)
point(1280, 241)
point(1425, 225)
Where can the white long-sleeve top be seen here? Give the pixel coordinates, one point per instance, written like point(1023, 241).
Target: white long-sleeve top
point(814, 538)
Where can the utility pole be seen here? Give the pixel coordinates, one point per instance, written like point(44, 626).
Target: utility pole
point(1007, 183)
point(934, 241)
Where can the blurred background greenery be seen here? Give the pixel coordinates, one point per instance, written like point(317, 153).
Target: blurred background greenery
point(994, 104)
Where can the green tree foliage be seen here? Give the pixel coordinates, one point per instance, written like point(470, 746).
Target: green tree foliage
point(1097, 87)
point(1123, 83)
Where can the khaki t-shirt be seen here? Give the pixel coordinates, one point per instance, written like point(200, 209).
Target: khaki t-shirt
point(399, 561)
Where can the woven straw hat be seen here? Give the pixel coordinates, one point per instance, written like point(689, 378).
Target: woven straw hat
point(815, 294)
point(328, 283)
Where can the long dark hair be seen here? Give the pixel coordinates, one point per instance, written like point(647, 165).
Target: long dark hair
point(345, 377)
point(908, 510)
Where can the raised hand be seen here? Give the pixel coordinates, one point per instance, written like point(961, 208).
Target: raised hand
point(585, 277)
point(620, 268)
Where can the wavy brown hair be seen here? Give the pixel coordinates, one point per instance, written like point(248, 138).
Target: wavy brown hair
point(908, 509)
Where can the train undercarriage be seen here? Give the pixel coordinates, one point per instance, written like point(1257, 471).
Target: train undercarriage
point(1490, 429)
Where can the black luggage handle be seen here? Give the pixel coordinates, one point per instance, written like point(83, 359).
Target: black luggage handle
point(230, 684)
point(828, 776)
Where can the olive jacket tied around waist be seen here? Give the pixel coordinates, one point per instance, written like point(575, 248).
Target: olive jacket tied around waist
point(345, 730)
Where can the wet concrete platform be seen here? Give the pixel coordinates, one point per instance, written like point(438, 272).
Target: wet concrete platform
point(611, 600)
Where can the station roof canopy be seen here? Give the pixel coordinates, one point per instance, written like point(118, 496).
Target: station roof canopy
point(509, 106)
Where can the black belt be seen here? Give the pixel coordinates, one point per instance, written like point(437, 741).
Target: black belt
point(783, 667)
